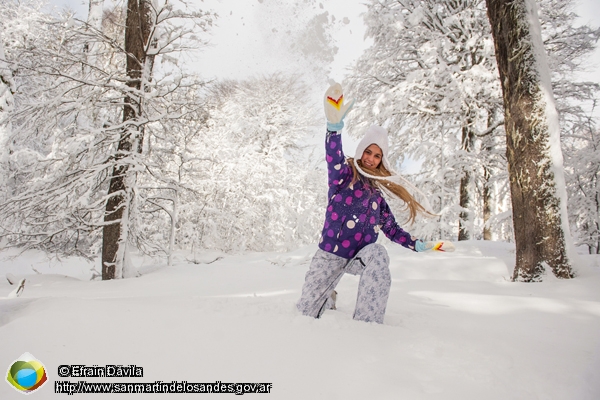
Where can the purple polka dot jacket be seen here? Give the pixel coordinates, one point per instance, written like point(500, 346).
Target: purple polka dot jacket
point(355, 212)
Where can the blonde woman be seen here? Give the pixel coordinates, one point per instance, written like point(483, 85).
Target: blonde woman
point(355, 214)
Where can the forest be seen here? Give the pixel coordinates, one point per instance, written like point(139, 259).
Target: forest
point(124, 155)
point(112, 143)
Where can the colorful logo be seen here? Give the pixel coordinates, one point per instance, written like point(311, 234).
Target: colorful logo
point(26, 374)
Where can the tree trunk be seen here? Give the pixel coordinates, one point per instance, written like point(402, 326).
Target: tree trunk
point(488, 199)
point(487, 204)
point(597, 199)
point(95, 12)
point(115, 231)
point(94, 21)
point(533, 144)
point(464, 221)
point(7, 90)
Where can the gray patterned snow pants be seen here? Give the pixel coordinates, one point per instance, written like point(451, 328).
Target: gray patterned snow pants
point(326, 270)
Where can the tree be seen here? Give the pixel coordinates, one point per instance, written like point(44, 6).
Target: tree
point(582, 159)
point(533, 143)
point(258, 186)
point(7, 90)
point(94, 26)
point(235, 173)
point(76, 126)
point(568, 45)
point(138, 26)
point(430, 77)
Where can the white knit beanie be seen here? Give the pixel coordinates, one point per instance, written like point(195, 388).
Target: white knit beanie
point(379, 136)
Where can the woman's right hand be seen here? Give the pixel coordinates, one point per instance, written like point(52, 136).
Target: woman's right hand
point(335, 107)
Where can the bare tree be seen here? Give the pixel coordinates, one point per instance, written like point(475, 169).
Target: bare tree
point(533, 142)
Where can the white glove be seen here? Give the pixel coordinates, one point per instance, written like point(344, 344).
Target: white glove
point(434, 246)
point(335, 108)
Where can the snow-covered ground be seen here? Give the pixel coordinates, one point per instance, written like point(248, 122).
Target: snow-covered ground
point(455, 328)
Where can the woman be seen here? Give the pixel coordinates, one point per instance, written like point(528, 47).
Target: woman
point(356, 212)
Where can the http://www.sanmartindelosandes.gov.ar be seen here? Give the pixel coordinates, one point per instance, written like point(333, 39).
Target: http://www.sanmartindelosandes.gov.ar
point(26, 374)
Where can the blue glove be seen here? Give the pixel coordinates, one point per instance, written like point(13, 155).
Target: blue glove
point(335, 109)
point(420, 246)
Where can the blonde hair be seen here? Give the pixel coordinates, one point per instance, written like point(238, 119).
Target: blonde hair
point(392, 188)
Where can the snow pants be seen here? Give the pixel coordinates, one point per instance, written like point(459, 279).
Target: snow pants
point(326, 270)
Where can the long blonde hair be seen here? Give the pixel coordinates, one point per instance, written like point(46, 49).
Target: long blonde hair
point(387, 186)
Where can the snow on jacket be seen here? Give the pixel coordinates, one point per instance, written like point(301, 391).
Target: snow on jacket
point(355, 212)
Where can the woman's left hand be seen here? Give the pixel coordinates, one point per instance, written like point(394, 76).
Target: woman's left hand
point(434, 246)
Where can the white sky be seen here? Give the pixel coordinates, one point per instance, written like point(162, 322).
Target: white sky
point(254, 30)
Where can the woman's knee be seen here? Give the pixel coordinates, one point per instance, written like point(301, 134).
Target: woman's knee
point(378, 253)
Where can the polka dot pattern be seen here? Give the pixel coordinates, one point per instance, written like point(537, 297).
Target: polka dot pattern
point(356, 212)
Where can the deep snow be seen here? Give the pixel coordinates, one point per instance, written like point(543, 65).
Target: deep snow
point(455, 328)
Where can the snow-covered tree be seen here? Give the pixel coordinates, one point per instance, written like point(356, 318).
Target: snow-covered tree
point(139, 29)
point(582, 168)
point(538, 189)
point(430, 77)
point(7, 90)
point(250, 179)
point(422, 74)
point(94, 27)
point(74, 126)
point(569, 45)
point(152, 151)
